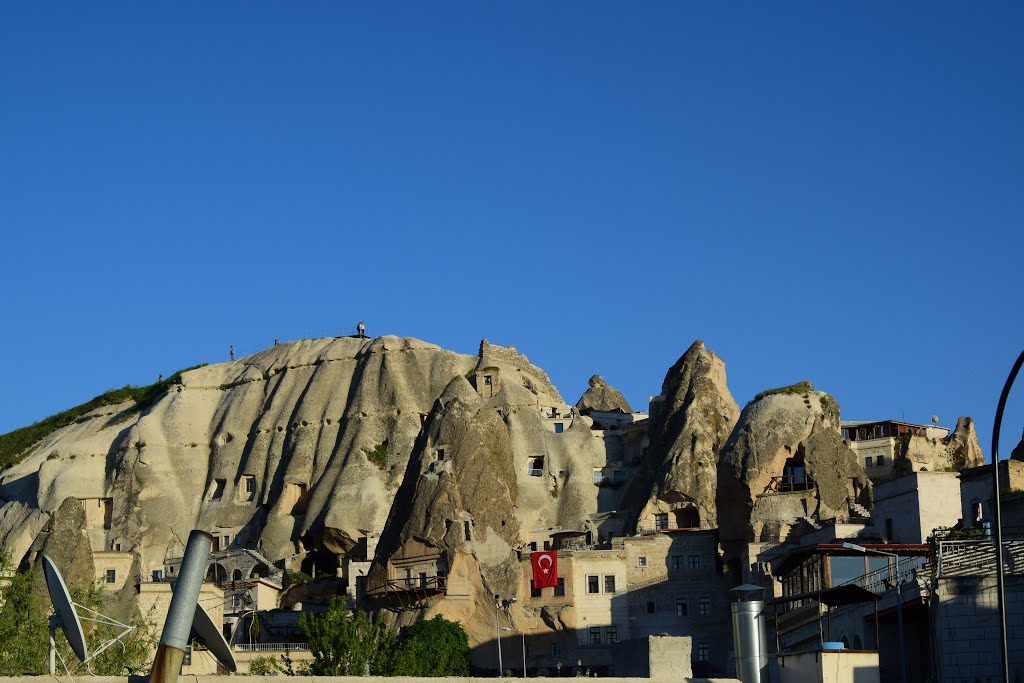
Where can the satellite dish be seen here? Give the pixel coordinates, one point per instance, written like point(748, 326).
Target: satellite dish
point(67, 617)
point(935, 419)
point(204, 627)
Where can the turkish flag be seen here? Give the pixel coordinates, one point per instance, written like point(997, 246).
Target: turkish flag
point(545, 568)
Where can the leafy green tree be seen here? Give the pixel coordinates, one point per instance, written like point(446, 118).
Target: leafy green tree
point(435, 647)
point(347, 643)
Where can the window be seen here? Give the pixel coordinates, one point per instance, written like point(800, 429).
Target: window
point(236, 601)
point(487, 380)
point(547, 545)
point(117, 547)
point(693, 561)
point(650, 607)
point(533, 546)
point(595, 635)
point(879, 460)
point(440, 454)
point(593, 586)
point(598, 476)
point(560, 588)
point(677, 562)
point(704, 606)
point(555, 650)
point(534, 591)
point(111, 576)
point(611, 634)
point(423, 579)
point(641, 561)
point(465, 529)
point(227, 541)
point(158, 574)
point(661, 520)
point(867, 461)
point(250, 484)
point(609, 584)
point(682, 607)
point(618, 476)
point(535, 466)
point(703, 652)
point(559, 427)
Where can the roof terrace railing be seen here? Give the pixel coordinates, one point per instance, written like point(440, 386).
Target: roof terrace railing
point(976, 557)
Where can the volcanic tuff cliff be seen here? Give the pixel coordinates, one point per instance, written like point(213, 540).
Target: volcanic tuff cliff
point(306, 449)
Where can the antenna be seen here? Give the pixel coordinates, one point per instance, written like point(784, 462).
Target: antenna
point(67, 619)
point(207, 630)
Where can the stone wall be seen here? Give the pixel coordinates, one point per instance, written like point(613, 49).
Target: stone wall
point(967, 628)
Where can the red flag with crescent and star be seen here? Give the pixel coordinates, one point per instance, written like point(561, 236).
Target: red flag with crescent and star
point(545, 569)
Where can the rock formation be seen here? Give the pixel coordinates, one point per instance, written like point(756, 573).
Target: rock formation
point(957, 451)
point(457, 463)
point(786, 442)
point(603, 398)
point(690, 423)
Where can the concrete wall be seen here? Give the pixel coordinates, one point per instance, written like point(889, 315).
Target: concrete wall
point(915, 505)
point(829, 667)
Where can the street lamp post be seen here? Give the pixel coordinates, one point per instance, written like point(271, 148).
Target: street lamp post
point(523, 634)
point(498, 604)
point(899, 601)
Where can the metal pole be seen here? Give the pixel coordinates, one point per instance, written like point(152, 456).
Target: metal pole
point(53, 648)
point(1000, 579)
point(524, 654)
point(899, 624)
point(171, 652)
point(497, 631)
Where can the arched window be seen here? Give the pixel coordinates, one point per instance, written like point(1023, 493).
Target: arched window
point(857, 644)
point(236, 575)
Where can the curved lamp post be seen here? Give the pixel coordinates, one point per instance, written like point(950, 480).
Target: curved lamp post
point(1000, 580)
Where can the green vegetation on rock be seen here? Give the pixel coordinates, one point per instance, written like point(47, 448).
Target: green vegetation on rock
point(15, 445)
point(800, 388)
point(379, 455)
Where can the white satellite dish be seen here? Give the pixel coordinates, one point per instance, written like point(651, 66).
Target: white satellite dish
point(204, 627)
point(67, 617)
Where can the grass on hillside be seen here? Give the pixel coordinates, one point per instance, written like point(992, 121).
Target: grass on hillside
point(800, 388)
point(15, 445)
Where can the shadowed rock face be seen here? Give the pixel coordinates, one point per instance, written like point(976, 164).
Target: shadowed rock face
point(603, 398)
point(693, 421)
point(776, 435)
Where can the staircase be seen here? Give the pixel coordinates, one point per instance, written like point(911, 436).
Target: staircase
point(859, 511)
point(814, 524)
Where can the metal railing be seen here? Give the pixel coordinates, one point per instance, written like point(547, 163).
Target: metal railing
point(971, 558)
point(886, 578)
point(787, 483)
point(270, 647)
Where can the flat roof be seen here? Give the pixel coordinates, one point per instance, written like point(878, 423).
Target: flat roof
point(861, 423)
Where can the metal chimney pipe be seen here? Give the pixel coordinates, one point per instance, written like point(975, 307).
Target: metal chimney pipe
point(750, 641)
point(171, 652)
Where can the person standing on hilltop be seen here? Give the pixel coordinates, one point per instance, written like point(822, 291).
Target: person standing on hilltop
point(231, 352)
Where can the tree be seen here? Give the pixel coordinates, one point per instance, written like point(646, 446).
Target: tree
point(347, 643)
point(435, 647)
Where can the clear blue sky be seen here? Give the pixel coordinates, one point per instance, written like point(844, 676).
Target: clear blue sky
point(831, 191)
